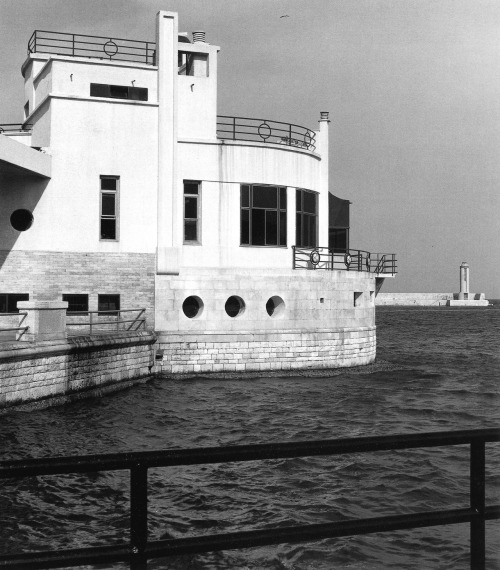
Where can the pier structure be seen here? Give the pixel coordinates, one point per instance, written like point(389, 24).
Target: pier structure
point(124, 188)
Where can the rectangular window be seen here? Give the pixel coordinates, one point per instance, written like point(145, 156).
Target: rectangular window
point(306, 218)
point(193, 64)
point(192, 197)
point(76, 302)
point(118, 92)
point(8, 301)
point(109, 207)
point(108, 303)
point(263, 215)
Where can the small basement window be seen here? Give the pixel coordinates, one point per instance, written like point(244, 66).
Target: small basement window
point(76, 302)
point(118, 92)
point(8, 301)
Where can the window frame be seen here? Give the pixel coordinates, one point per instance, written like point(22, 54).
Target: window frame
point(280, 209)
point(131, 93)
point(116, 216)
point(81, 295)
point(103, 312)
point(7, 303)
point(300, 211)
point(185, 195)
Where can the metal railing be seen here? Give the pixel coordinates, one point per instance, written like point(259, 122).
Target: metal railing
point(15, 127)
point(96, 47)
point(140, 549)
point(22, 330)
point(263, 130)
point(351, 260)
point(95, 323)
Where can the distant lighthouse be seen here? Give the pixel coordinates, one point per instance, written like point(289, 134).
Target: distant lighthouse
point(464, 282)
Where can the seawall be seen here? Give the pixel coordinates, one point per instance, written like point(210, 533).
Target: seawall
point(428, 299)
point(59, 371)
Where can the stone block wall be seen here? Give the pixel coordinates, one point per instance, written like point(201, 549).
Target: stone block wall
point(47, 275)
point(327, 320)
point(31, 371)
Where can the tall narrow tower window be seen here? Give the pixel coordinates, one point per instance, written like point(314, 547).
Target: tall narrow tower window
point(306, 219)
point(109, 208)
point(192, 198)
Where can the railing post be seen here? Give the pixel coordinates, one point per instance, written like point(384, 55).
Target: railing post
point(477, 504)
point(90, 331)
point(234, 128)
point(147, 50)
point(289, 135)
point(73, 45)
point(293, 252)
point(138, 515)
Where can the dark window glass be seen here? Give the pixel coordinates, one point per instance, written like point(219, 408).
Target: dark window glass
point(118, 91)
point(306, 218)
point(190, 227)
point(108, 228)
point(338, 239)
point(76, 302)
point(190, 207)
point(271, 227)
point(108, 204)
point(108, 302)
point(191, 211)
point(258, 227)
point(265, 197)
point(109, 207)
point(282, 227)
point(8, 301)
point(234, 306)
point(191, 187)
point(108, 183)
point(245, 227)
point(245, 196)
point(191, 307)
point(263, 215)
point(138, 93)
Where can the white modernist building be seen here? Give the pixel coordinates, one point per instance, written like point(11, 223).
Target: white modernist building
point(123, 188)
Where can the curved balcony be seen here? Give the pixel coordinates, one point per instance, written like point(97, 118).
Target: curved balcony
point(263, 130)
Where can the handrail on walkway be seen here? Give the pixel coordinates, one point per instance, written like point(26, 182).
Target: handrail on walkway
point(95, 326)
point(140, 549)
point(19, 328)
point(350, 260)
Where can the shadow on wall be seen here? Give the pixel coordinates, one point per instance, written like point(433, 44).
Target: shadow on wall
point(19, 196)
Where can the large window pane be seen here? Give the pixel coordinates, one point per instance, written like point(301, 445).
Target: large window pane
point(108, 183)
point(271, 227)
point(306, 219)
point(258, 227)
point(190, 230)
point(108, 204)
point(245, 227)
point(298, 229)
point(108, 228)
point(245, 196)
point(190, 207)
point(265, 197)
point(282, 228)
point(309, 202)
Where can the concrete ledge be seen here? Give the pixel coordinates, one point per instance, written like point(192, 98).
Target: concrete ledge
point(24, 158)
point(468, 303)
point(16, 351)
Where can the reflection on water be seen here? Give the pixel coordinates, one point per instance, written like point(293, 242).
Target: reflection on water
point(441, 373)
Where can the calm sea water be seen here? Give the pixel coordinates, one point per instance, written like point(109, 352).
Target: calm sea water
point(438, 369)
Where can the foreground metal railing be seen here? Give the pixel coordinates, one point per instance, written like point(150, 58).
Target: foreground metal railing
point(353, 259)
point(263, 130)
point(112, 321)
point(15, 127)
point(139, 549)
point(20, 330)
point(96, 47)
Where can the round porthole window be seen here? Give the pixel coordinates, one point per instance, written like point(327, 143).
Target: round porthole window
point(275, 306)
point(234, 306)
point(21, 220)
point(192, 307)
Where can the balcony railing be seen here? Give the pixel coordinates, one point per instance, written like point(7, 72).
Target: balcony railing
point(96, 322)
point(15, 127)
point(96, 47)
point(263, 130)
point(351, 260)
point(140, 547)
point(8, 332)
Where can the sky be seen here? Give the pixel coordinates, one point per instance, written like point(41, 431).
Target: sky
point(413, 92)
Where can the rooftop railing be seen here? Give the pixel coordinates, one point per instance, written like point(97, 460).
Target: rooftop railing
point(264, 130)
point(96, 47)
point(139, 548)
point(351, 260)
point(15, 127)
